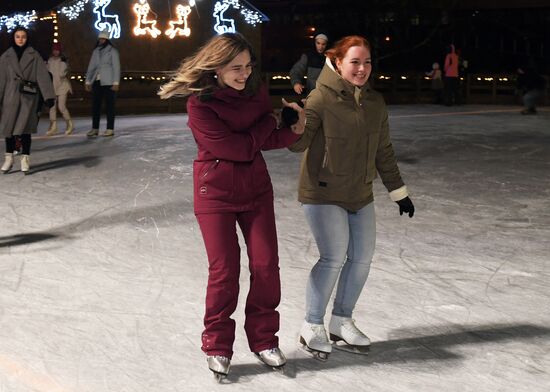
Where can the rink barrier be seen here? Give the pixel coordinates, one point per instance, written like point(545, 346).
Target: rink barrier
point(138, 91)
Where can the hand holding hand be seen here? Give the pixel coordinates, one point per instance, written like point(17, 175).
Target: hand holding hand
point(406, 206)
point(294, 116)
point(298, 88)
point(115, 87)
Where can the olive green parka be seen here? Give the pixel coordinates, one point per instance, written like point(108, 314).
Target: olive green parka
point(346, 142)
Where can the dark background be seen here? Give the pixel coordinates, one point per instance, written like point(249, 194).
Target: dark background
point(494, 36)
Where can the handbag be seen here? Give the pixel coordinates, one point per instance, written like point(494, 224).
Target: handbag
point(28, 87)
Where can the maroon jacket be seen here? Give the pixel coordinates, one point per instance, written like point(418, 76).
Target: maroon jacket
point(230, 174)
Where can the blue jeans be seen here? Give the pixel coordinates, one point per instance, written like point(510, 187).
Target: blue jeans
point(346, 245)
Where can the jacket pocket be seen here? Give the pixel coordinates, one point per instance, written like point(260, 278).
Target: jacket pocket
point(373, 141)
point(337, 156)
point(213, 179)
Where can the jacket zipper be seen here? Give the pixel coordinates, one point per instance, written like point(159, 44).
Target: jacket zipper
point(212, 166)
point(325, 157)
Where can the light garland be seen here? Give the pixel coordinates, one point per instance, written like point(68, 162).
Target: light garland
point(104, 20)
point(11, 22)
point(182, 13)
point(227, 25)
point(145, 26)
point(73, 11)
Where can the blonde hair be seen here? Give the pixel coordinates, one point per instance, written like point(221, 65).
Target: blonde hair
point(197, 73)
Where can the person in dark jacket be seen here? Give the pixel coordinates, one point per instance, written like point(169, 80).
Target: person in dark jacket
point(24, 78)
point(346, 143)
point(309, 65)
point(232, 121)
point(531, 85)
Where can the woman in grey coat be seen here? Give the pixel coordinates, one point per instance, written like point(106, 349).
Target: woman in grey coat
point(23, 78)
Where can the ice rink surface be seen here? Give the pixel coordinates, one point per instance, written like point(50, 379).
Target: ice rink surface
point(103, 269)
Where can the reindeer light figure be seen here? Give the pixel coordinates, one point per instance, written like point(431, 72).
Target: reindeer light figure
point(105, 21)
point(223, 25)
point(182, 13)
point(144, 25)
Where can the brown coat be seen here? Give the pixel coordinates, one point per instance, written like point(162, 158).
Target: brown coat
point(346, 142)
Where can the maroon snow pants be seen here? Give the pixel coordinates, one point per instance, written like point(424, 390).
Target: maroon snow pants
point(219, 232)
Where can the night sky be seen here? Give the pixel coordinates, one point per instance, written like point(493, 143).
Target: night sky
point(7, 6)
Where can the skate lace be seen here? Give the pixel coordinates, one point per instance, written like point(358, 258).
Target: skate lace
point(351, 327)
point(319, 333)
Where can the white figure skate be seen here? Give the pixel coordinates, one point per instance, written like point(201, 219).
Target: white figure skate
point(274, 358)
point(313, 338)
point(347, 337)
point(219, 365)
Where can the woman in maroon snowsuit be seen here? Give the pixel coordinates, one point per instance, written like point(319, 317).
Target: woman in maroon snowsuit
point(232, 121)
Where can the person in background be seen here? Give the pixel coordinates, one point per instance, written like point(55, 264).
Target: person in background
point(437, 83)
point(24, 78)
point(309, 65)
point(346, 143)
point(451, 77)
point(103, 79)
point(531, 85)
point(230, 115)
point(59, 69)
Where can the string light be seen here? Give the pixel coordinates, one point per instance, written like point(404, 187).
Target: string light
point(145, 26)
point(182, 13)
point(227, 25)
point(105, 21)
point(73, 11)
point(11, 22)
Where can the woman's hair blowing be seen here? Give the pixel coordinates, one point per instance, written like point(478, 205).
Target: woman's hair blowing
point(196, 74)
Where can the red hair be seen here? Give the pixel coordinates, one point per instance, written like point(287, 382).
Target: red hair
point(340, 48)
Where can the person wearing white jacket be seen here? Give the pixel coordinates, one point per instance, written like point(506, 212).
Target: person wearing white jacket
point(59, 69)
point(103, 79)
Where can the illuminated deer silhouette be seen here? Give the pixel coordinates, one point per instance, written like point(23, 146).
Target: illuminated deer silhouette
point(105, 21)
point(182, 13)
point(223, 25)
point(144, 25)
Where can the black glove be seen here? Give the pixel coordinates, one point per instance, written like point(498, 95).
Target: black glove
point(50, 102)
point(289, 116)
point(406, 206)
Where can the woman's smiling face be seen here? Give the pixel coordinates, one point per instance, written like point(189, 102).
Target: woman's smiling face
point(356, 65)
point(236, 72)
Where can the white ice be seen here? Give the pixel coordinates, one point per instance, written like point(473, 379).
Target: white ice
point(103, 269)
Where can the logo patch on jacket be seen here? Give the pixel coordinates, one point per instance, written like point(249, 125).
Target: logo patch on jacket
point(202, 190)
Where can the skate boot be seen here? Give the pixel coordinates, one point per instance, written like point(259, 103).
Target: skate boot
point(93, 133)
point(52, 130)
point(272, 357)
point(109, 132)
point(70, 127)
point(8, 163)
point(219, 365)
point(347, 337)
point(25, 164)
point(313, 338)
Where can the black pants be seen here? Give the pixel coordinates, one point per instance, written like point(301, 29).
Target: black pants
point(451, 91)
point(25, 144)
point(99, 92)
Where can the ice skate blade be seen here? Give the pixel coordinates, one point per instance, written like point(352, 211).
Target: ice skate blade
point(219, 377)
point(318, 355)
point(343, 346)
point(280, 368)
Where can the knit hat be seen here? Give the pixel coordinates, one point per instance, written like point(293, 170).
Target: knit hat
point(321, 36)
point(57, 46)
point(104, 34)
